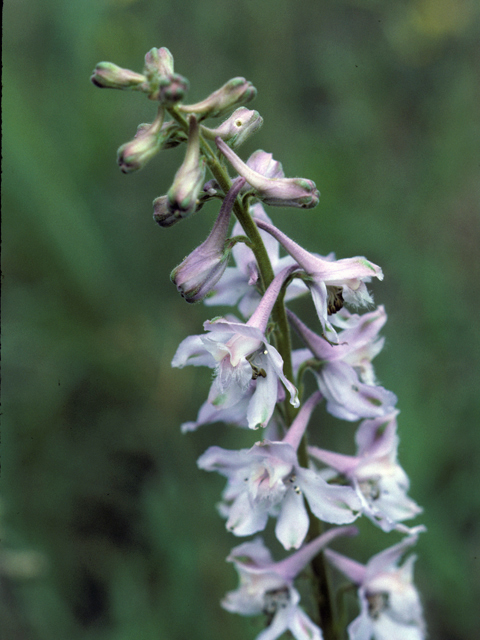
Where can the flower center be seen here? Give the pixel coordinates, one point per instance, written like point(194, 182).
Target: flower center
point(370, 489)
point(274, 600)
point(377, 603)
point(334, 300)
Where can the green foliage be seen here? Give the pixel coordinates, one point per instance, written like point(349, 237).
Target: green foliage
point(376, 102)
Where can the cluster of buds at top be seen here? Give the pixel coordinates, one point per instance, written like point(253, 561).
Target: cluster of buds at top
point(264, 177)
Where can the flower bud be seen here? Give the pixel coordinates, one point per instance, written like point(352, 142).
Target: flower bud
point(188, 181)
point(237, 128)
point(158, 62)
point(164, 84)
point(147, 142)
point(107, 75)
point(196, 276)
point(235, 92)
point(162, 214)
point(277, 191)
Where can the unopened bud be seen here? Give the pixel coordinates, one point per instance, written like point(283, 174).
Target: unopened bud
point(158, 62)
point(196, 276)
point(107, 75)
point(164, 84)
point(237, 128)
point(162, 214)
point(236, 91)
point(188, 181)
point(147, 142)
point(277, 191)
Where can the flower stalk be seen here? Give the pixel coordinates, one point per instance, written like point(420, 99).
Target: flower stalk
point(257, 375)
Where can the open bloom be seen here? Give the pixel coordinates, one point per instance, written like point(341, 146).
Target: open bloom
point(274, 190)
point(268, 480)
point(380, 482)
point(345, 374)
point(267, 587)
point(239, 353)
point(331, 282)
point(238, 285)
point(390, 607)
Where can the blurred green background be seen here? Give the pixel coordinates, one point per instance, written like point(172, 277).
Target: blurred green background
point(378, 102)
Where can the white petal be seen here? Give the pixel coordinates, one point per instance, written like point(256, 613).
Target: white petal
point(292, 524)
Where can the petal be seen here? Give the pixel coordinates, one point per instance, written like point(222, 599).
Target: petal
point(265, 396)
point(348, 398)
point(292, 524)
point(246, 518)
point(276, 361)
point(352, 569)
point(330, 503)
point(192, 351)
point(302, 627)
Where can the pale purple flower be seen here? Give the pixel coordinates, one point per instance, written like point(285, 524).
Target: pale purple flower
point(202, 269)
point(345, 373)
point(267, 587)
point(390, 607)
point(238, 285)
point(331, 282)
point(267, 480)
point(272, 189)
point(380, 482)
point(239, 352)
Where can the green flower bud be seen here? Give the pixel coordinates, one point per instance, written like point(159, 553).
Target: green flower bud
point(107, 75)
point(235, 92)
point(164, 84)
point(158, 62)
point(147, 142)
point(188, 181)
point(237, 128)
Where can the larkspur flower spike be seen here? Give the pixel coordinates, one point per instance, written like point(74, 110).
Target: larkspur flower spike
point(258, 379)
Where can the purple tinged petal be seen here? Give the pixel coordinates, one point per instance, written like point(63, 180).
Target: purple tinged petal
point(348, 398)
point(262, 314)
point(388, 559)
point(330, 503)
point(333, 272)
point(354, 571)
point(295, 432)
point(290, 567)
point(191, 351)
point(293, 192)
point(338, 461)
point(264, 164)
point(208, 414)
